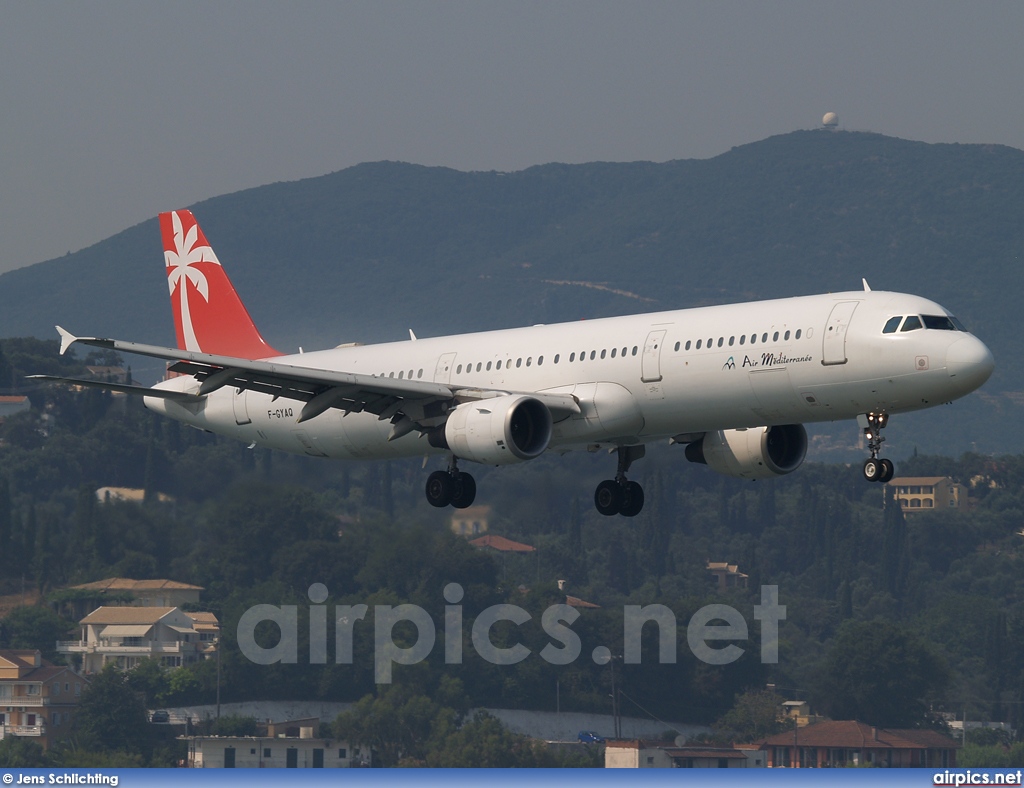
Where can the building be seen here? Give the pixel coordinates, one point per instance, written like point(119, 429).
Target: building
point(37, 700)
point(133, 494)
point(799, 712)
point(10, 405)
point(76, 602)
point(125, 636)
point(928, 493)
point(641, 754)
point(726, 576)
point(501, 544)
point(279, 745)
point(846, 742)
point(471, 521)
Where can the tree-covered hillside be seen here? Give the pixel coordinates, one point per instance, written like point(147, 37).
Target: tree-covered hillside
point(366, 253)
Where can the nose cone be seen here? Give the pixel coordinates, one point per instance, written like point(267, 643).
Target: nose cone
point(969, 363)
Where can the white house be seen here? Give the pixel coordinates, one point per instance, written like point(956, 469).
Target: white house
point(127, 635)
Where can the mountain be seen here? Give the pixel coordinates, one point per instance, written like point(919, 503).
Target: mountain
point(366, 253)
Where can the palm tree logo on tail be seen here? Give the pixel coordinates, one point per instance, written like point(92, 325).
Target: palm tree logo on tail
point(181, 269)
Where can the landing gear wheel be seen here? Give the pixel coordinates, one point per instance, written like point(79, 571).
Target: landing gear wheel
point(440, 489)
point(464, 492)
point(608, 497)
point(888, 469)
point(632, 499)
point(872, 469)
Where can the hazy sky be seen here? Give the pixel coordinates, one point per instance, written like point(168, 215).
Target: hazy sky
point(113, 111)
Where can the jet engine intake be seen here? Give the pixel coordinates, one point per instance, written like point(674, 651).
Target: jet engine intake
point(755, 453)
point(498, 431)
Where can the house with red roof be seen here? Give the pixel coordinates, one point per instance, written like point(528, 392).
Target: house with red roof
point(846, 742)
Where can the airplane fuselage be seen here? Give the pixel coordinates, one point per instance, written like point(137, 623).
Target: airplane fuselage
point(639, 378)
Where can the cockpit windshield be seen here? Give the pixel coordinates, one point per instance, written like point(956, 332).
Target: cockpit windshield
point(914, 322)
point(941, 322)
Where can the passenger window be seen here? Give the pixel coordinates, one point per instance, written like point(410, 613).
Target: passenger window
point(677, 350)
point(892, 324)
point(912, 323)
point(732, 341)
point(624, 352)
point(593, 354)
point(787, 336)
point(519, 363)
point(410, 374)
point(721, 341)
point(488, 366)
point(753, 339)
point(603, 353)
point(540, 360)
point(401, 375)
point(499, 365)
point(556, 358)
point(775, 337)
point(459, 370)
point(634, 350)
point(797, 334)
point(419, 374)
point(743, 339)
point(572, 357)
point(698, 343)
point(764, 338)
point(529, 360)
point(688, 344)
point(391, 374)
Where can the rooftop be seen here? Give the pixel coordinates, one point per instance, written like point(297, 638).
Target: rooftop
point(501, 544)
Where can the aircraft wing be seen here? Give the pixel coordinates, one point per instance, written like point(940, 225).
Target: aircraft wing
point(409, 404)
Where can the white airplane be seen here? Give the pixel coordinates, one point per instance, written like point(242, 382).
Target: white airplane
point(734, 383)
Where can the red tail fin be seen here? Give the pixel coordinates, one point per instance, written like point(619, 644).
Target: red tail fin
point(209, 317)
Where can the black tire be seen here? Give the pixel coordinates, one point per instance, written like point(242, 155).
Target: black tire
point(464, 492)
point(872, 470)
point(608, 497)
point(440, 488)
point(632, 499)
point(888, 470)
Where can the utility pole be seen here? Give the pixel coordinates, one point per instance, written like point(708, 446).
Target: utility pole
point(616, 717)
point(218, 678)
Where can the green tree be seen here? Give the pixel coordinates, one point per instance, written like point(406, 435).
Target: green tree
point(112, 715)
point(34, 627)
point(484, 743)
point(21, 753)
point(755, 715)
point(881, 674)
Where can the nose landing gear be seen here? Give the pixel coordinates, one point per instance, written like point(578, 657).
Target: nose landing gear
point(875, 469)
point(619, 495)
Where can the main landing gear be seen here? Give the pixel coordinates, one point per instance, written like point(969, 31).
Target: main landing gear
point(876, 470)
point(619, 495)
point(451, 487)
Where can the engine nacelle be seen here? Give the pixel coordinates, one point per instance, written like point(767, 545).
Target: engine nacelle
point(756, 453)
point(497, 431)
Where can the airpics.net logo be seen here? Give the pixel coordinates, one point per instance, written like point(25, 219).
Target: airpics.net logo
point(708, 632)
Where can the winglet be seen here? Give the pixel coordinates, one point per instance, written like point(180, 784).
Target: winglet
point(412, 336)
point(67, 339)
point(867, 287)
